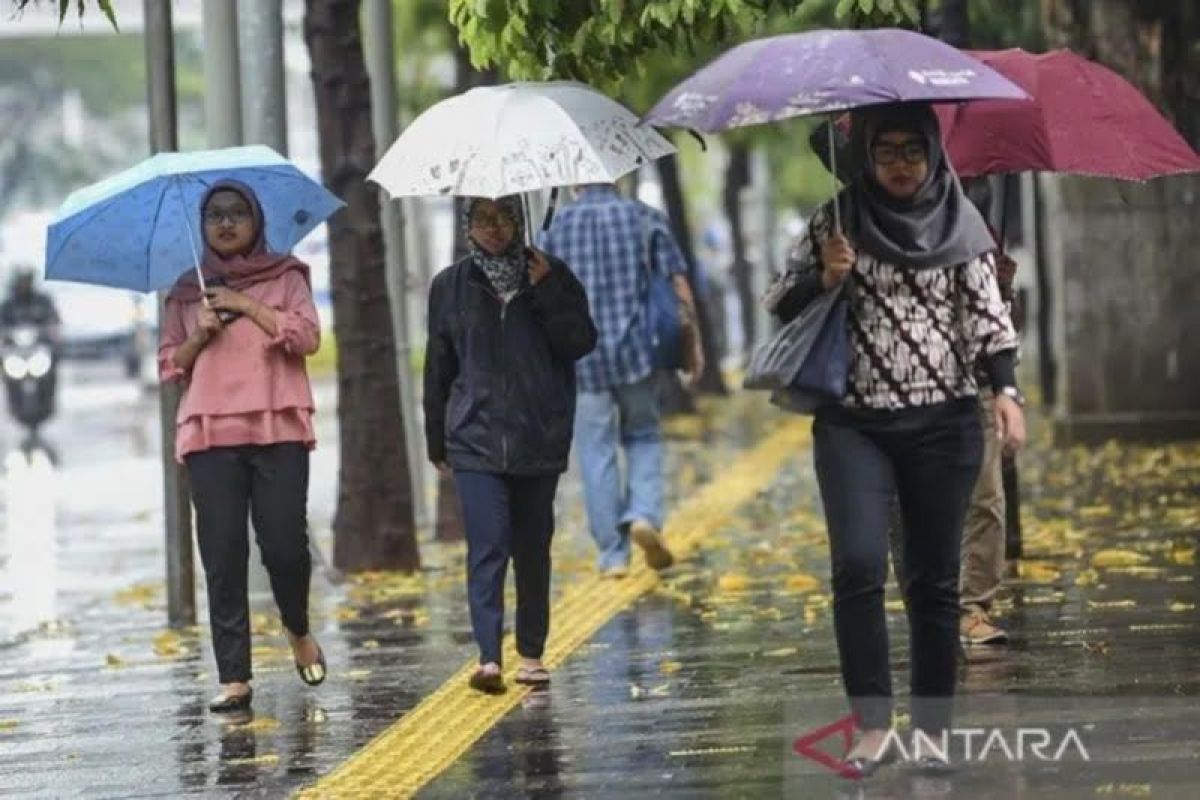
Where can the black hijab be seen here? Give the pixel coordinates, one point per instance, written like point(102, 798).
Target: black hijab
point(938, 227)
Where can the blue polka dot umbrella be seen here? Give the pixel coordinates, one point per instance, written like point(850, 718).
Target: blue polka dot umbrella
point(140, 229)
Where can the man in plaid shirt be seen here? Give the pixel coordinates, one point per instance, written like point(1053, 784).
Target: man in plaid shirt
point(610, 242)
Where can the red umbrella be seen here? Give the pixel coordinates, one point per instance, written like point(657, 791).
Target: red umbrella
point(1085, 119)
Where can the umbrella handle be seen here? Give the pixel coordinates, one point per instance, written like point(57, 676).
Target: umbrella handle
point(192, 242)
point(837, 211)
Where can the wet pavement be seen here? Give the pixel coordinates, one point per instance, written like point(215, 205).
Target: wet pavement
point(698, 689)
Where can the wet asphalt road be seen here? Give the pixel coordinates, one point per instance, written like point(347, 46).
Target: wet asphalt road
point(698, 690)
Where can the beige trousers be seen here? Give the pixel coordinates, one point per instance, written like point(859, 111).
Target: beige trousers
point(983, 532)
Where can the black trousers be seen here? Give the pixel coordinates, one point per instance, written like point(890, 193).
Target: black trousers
point(231, 485)
point(508, 517)
point(929, 457)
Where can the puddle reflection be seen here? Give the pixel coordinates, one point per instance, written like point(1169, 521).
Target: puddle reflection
point(30, 541)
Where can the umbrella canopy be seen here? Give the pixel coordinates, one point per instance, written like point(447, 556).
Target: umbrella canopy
point(140, 229)
point(1085, 119)
point(520, 137)
point(823, 71)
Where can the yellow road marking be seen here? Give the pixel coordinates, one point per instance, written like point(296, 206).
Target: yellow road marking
point(420, 745)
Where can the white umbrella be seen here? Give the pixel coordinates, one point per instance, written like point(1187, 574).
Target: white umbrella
point(519, 137)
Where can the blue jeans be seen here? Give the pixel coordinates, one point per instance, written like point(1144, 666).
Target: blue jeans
point(624, 417)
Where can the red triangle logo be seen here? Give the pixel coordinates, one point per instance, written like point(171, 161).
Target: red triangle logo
point(806, 746)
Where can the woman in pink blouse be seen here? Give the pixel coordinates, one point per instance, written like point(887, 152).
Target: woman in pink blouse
point(244, 427)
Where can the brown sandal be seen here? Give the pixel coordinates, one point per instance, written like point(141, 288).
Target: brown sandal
point(487, 682)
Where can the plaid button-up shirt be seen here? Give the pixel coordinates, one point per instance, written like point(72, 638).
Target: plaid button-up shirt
point(603, 238)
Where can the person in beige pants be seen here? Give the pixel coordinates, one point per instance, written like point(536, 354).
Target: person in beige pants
point(983, 539)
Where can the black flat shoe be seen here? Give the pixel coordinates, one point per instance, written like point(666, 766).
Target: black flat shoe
point(932, 766)
point(314, 674)
point(862, 767)
point(231, 703)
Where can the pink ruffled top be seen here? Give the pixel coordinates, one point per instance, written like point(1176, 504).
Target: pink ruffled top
point(245, 387)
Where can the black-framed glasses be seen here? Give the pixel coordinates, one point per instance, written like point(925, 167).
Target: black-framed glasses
point(885, 153)
point(235, 216)
point(492, 221)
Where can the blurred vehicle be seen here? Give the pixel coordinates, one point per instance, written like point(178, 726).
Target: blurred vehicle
point(29, 363)
point(101, 323)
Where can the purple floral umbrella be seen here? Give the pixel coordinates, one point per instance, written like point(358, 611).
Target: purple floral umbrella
point(825, 71)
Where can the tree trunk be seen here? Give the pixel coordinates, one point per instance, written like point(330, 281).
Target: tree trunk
point(373, 526)
point(1123, 254)
point(737, 178)
point(711, 382)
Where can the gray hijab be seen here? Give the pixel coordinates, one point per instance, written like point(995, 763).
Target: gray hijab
point(507, 272)
point(938, 227)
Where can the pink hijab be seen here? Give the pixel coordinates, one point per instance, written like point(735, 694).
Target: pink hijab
point(256, 265)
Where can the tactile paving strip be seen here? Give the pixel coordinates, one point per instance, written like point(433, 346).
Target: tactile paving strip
point(419, 746)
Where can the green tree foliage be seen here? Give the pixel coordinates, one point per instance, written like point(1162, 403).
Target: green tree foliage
point(64, 6)
point(601, 42)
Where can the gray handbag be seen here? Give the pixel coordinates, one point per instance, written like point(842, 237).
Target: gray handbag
point(776, 365)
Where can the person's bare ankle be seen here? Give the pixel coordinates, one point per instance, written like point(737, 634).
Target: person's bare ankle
point(870, 744)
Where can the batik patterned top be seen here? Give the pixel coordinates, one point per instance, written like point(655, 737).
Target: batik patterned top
point(915, 333)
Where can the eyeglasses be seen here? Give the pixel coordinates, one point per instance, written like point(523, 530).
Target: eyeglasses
point(886, 154)
point(492, 221)
point(235, 216)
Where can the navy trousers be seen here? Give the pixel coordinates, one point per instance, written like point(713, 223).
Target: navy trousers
point(508, 516)
point(930, 458)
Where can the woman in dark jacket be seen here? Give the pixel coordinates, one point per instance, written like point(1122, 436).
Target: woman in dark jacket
point(925, 305)
point(506, 326)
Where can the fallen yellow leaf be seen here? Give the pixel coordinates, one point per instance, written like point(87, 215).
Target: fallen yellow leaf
point(257, 761)
point(1184, 557)
point(732, 582)
point(803, 582)
point(1112, 603)
point(1039, 571)
point(1088, 577)
point(259, 725)
point(783, 652)
point(113, 661)
point(1177, 606)
point(370, 644)
point(7, 725)
point(168, 644)
point(669, 667)
point(139, 594)
point(1118, 558)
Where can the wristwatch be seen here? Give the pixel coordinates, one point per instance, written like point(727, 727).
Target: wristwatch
point(1014, 394)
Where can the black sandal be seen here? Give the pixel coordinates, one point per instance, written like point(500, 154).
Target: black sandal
point(533, 676)
point(230, 703)
point(314, 674)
